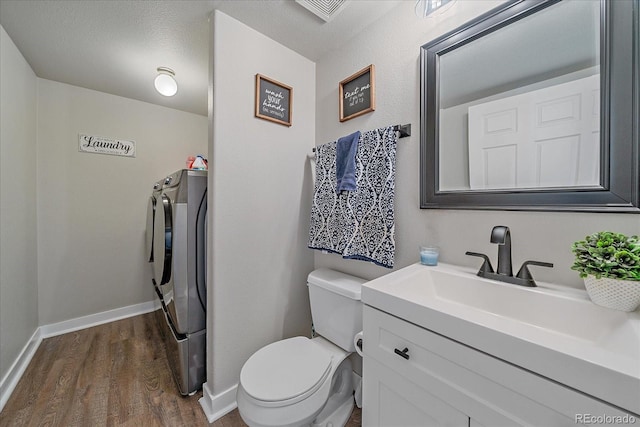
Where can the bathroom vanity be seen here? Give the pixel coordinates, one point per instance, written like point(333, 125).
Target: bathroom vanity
point(445, 347)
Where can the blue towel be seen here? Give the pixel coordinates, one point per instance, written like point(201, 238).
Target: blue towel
point(346, 148)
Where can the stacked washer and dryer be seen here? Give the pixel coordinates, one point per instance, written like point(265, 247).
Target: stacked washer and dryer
point(176, 249)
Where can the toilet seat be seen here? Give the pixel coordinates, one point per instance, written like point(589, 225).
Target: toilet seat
point(286, 372)
point(329, 389)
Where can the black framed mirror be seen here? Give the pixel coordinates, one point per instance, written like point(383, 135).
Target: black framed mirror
point(534, 105)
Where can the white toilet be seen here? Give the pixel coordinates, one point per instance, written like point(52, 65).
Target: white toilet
point(307, 382)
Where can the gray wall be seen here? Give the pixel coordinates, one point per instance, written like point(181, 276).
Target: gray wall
point(18, 237)
point(392, 45)
point(73, 224)
point(259, 202)
point(92, 207)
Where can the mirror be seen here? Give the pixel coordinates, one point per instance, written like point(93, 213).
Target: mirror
point(509, 123)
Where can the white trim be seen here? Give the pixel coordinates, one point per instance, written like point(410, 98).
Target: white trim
point(96, 319)
point(15, 372)
point(13, 375)
point(217, 406)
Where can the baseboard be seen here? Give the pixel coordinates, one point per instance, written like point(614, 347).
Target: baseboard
point(13, 375)
point(216, 406)
point(96, 319)
point(15, 372)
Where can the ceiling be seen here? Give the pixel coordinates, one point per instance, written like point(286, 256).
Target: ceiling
point(115, 46)
point(518, 55)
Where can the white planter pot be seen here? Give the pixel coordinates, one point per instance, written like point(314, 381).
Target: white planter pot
point(623, 295)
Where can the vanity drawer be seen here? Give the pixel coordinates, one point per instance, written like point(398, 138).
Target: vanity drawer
point(488, 390)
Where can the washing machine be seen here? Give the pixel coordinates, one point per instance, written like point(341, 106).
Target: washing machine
point(179, 259)
point(151, 213)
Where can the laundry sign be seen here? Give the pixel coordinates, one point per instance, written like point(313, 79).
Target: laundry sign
point(101, 145)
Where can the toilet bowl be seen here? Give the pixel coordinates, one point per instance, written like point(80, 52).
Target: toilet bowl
point(290, 382)
point(307, 382)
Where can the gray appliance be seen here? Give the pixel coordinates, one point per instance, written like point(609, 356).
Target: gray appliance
point(151, 214)
point(178, 254)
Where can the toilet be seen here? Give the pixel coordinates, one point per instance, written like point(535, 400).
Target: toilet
point(307, 382)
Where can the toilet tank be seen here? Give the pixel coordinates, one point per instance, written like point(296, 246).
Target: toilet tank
point(336, 308)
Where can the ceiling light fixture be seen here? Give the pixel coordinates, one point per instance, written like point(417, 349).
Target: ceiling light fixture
point(165, 82)
point(427, 8)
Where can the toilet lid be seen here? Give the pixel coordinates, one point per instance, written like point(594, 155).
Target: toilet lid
point(285, 369)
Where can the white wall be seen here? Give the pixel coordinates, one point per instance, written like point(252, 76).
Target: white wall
point(18, 170)
point(260, 204)
point(92, 207)
point(393, 46)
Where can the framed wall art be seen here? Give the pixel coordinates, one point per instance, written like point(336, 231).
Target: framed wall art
point(274, 100)
point(358, 94)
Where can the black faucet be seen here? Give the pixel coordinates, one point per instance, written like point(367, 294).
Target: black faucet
point(502, 236)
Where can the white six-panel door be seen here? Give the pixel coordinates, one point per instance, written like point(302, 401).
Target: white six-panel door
point(545, 138)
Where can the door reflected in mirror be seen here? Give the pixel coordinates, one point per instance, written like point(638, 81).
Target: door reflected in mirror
point(516, 113)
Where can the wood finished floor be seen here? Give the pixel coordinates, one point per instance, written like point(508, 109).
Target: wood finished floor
point(115, 374)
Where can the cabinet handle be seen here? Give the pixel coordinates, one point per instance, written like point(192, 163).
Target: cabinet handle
point(402, 353)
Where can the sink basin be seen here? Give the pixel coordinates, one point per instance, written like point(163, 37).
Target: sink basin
point(552, 330)
point(542, 307)
point(551, 308)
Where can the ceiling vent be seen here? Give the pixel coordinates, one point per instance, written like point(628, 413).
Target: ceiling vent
point(325, 9)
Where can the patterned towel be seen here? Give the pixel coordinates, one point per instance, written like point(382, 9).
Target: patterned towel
point(326, 231)
point(358, 224)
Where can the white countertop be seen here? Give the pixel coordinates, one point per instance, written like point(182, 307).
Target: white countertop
point(551, 330)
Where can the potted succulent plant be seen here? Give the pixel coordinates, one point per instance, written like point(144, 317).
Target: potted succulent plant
point(610, 265)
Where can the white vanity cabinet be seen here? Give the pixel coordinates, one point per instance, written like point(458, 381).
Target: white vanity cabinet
point(415, 377)
point(393, 400)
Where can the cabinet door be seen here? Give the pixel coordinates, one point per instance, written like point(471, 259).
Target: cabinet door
point(391, 400)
